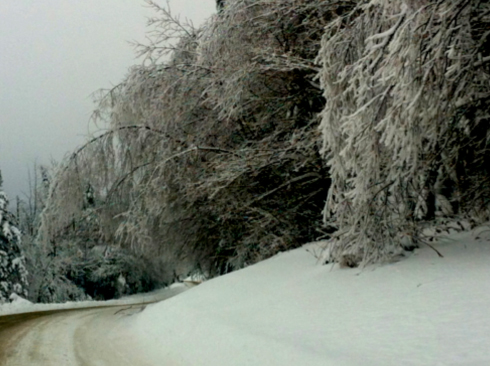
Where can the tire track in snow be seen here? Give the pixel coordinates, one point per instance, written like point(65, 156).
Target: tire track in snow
point(95, 337)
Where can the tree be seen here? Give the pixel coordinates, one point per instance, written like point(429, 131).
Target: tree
point(211, 157)
point(405, 126)
point(31, 204)
point(13, 274)
point(220, 4)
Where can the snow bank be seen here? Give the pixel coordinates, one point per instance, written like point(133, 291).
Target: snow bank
point(289, 310)
point(20, 305)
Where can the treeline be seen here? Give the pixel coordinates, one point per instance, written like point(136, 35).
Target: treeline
point(276, 123)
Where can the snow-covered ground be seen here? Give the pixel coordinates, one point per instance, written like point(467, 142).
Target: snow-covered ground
point(289, 310)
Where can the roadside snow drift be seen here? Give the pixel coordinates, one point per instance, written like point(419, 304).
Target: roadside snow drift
point(20, 305)
point(289, 310)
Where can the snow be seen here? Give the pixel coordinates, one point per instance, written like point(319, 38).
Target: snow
point(289, 310)
point(19, 301)
point(21, 305)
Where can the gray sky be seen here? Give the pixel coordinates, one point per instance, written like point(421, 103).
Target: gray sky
point(53, 55)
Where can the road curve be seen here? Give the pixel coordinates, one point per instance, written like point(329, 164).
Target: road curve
point(98, 336)
point(63, 338)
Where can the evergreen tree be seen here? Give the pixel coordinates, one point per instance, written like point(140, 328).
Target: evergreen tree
point(13, 275)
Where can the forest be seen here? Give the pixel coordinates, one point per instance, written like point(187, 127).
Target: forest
point(364, 124)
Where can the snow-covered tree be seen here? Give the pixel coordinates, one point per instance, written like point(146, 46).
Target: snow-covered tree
point(211, 154)
point(31, 204)
point(220, 4)
point(405, 126)
point(13, 274)
point(28, 212)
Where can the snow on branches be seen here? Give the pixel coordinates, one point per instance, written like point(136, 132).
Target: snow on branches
point(405, 126)
point(13, 274)
point(213, 151)
point(212, 146)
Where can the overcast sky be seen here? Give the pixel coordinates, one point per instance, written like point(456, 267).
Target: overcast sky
point(53, 55)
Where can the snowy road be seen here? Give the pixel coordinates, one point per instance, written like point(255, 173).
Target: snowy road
point(75, 337)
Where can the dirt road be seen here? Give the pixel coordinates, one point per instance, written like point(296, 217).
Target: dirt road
point(64, 338)
point(83, 337)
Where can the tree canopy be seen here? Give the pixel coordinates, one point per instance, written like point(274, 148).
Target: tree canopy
point(280, 122)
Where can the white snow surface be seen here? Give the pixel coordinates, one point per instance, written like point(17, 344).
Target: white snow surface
point(290, 310)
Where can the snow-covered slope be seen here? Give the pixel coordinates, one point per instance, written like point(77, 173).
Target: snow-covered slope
point(289, 310)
